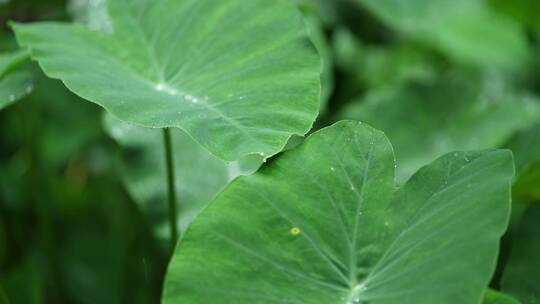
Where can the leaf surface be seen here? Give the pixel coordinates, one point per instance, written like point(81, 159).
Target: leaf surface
point(239, 76)
point(522, 273)
point(324, 223)
point(199, 174)
point(16, 78)
point(526, 147)
point(425, 121)
point(495, 297)
point(467, 30)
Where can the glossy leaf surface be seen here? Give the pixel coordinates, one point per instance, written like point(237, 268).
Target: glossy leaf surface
point(325, 223)
point(239, 76)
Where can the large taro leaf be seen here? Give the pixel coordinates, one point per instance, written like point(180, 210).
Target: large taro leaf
point(16, 77)
point(325, 223)
point(522, 273)
point(239, 76)
point(494, 297)
point(467, 30)
point(199, 175)
point(425, 121)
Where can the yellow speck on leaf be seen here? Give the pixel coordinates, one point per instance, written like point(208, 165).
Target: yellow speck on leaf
point(295, 231)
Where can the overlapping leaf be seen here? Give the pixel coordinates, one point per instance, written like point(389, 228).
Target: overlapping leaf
point(239, 76)
point(324, 223)
point(200, 175)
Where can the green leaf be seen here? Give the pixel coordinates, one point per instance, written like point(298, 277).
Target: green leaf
point(522, 273)
point(526, 147)
point(316, 31)
point(10, 61)
point(425, 121)
point(239, 76)
point(200, 175)
point(325, 223)
point(378, 66)
point(466, 30)
point(495, 297)
point(16, 79)
point(92, 13)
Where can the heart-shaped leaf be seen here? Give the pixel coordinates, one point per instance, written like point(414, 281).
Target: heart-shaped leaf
point(200, 175)
point(522, 274)
point(239, 76)
point(324, 223)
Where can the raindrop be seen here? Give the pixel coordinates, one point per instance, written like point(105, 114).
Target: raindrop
point(11, 97)
point(165, 88)
point(332, 169)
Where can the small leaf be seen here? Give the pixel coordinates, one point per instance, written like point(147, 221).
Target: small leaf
point(10, 61)
point(324, 223)
point(16, 78)
point(522, 273)
point(200, 175)
point(239, 76)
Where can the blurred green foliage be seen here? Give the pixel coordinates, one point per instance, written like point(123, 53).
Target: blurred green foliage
point(435, 75)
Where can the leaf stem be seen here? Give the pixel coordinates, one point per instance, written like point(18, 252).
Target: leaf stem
point(171, 186)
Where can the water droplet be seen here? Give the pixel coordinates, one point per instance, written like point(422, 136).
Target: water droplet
point(355, 294)
point(11, 97)
point(332, 169)
point(165, 88)
point(353, 188)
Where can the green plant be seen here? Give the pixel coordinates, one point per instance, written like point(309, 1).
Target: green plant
point(204, 109)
